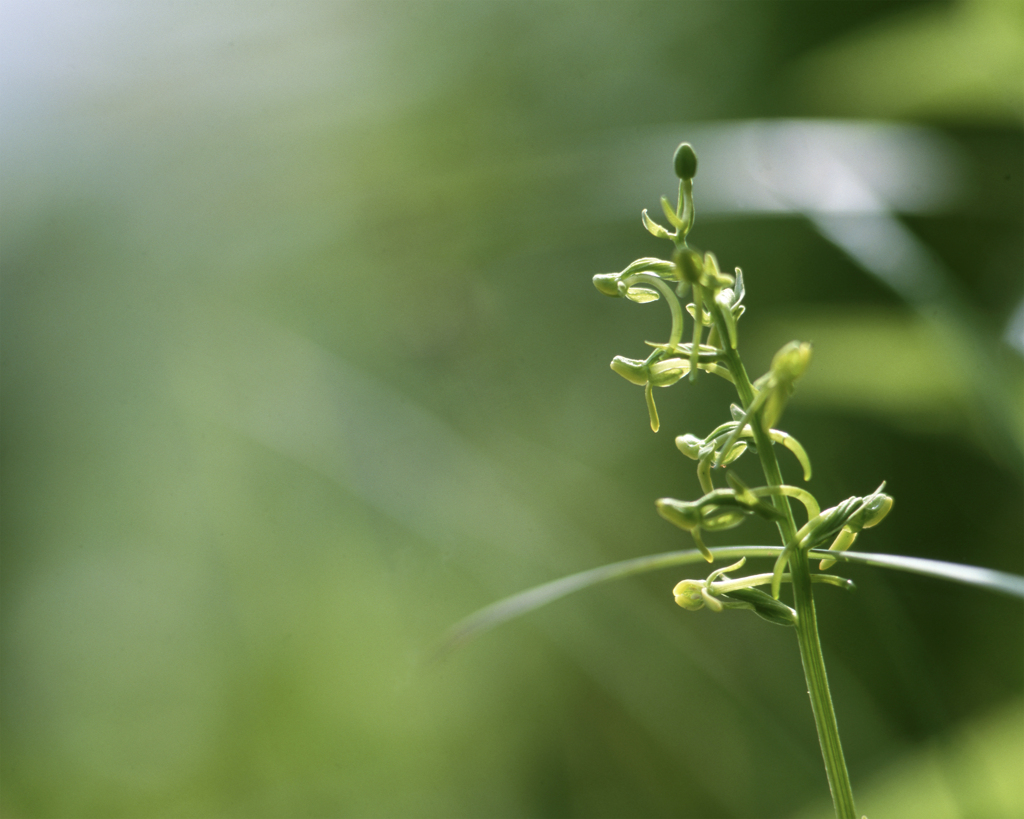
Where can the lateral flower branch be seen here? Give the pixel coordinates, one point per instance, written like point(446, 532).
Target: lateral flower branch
point(692, 283)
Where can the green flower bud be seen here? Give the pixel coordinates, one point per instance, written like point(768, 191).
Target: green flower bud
point(659, 374)
point(871, 512)
point(791, 361)
point(874, 511)
point(635, 372)
point(685, 161)
point(844, 521)
point(689, 264)
point(688, 594)
point(608, 283)
point(828, 523)
point(684, 515)
point(689, 445)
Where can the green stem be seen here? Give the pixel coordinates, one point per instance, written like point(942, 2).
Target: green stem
point(807, 622)
point(817, 688)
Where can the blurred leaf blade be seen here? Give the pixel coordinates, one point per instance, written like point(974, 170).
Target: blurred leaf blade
point(525, 602)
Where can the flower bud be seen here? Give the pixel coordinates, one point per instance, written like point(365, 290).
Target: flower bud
point(876, 508)
point(607, 283)
point(688, 594)
point(689, 264)
point(684, 515)
point(791, 361)
point(635, 372)
point(689, 445)
point(685, 161)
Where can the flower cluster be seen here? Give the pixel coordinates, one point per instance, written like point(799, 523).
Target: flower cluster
point(714, 301)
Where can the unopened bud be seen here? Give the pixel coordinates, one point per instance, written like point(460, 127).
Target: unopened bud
point(874, 511)
point(607, 283)
point(685, 161)
point(689, 264)
point(688, 594)
point(684, 515)
point(635, 372)
point(689, 445)
point(791, 361)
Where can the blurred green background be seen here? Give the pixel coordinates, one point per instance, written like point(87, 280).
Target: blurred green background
point(301, 364)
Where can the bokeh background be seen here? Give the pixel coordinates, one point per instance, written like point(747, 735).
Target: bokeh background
point(302, 364)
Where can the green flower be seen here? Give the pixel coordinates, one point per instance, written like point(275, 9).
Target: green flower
point(649, 374)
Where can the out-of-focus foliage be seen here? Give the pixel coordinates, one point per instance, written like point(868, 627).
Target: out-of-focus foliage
point(961, 62)
point(301, 363)
point(981, 758)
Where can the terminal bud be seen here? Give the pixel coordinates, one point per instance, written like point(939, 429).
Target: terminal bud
point(685, 161)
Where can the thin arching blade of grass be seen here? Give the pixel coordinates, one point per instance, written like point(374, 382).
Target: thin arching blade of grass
point(530, 600)
point(526, 601)
point(990, 579)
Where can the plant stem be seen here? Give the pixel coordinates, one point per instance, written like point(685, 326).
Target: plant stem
point(807, 622)
point(817, 689)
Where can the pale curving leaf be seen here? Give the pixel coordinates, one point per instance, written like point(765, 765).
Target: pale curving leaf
point(530, 600)
point(990, 579)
